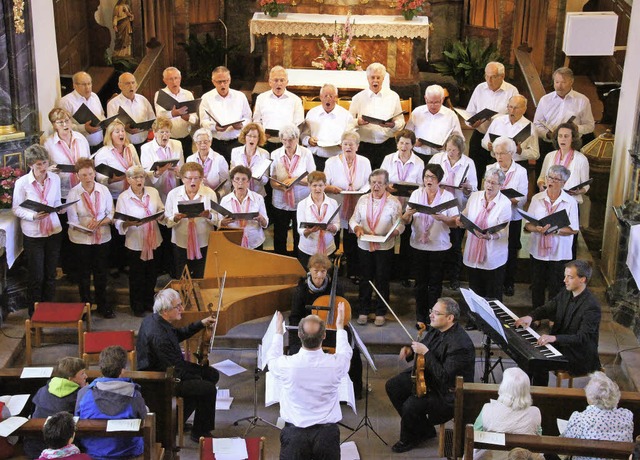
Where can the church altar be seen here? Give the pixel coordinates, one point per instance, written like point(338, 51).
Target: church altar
point(293, 39)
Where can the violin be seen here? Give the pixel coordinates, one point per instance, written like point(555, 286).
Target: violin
point(418, 380)
point(326, 306)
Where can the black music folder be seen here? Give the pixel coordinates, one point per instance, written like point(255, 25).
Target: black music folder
point(234, 215)
point(298, 179)
point(459, 186)
point(511, 193)
point(519, 138)
point(226, 124)
point(380, 121)
point(322, 225)
point(471, 226)
point(84, 114)
point(484, 114)
point(161, 163)
point(575, 188)
point(66, 168)
point(556, 220)
point(424, 209)
point(272, 132)
point(404, 188)
point(108, 171)
point(191, 208)
point(128, 120)
point(137, 220)
point(39, 207)
point(168, 102)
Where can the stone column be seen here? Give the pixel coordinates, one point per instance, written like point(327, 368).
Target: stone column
point(6, 116)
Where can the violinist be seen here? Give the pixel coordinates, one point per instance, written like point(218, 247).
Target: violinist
point(448, 352)
point(158, 348)
point(318, 283)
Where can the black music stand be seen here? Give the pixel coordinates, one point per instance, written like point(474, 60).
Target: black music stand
point(365, 422)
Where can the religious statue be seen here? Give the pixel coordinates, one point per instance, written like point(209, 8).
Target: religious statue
point(122, 20)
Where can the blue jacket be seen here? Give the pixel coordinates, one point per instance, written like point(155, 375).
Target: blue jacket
point(109, 399)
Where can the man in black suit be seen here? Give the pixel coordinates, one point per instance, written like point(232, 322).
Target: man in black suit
point(575, 313)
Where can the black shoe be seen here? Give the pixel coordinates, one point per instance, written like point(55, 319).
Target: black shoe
point(400, 447)
point(471, 327)
point(509, 291)
point(454, 285)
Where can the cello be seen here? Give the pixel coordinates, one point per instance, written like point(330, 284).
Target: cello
point(325, 306)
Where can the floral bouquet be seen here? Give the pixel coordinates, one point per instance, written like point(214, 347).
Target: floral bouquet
point(273, 7)
point(410, 8)
point(339, 54)
point(8, 177)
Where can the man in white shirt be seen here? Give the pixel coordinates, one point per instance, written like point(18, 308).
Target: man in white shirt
point(493, 94)
point(277, 107)
point(136, 105)
point(82, 94)
point(227, 106)
point(180, 118)
point(377, 140)
point(309, 381)
point(510, 125)
point(558, 107)
point(432, 122)
point(325, 125)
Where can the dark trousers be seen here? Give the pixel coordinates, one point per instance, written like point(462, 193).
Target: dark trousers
point(403, 260)
point(413, 425)
point(315, 442)
point(224, 148)
point(374, 266)
point(487, 283)
point(281, 221)
point(515, 230)
point(479, 155)
point(200, 396)
point(454, 253)
point(93, 259)
point(66, 261)
point(545, 276)
point(195, 266)
point(187, 145)
point(118, 251)
point(350, 250)
point(429, 271)
point(376, 152)
point(42, 259)
point(164, 254)
point(271, 146)
point(320, 162)
point(142, 281)
point(94, 148)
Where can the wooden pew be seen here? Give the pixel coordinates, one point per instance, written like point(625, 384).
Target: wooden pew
point(157, 388)
point(553, 403)
point(98, 428)
point(552, 445)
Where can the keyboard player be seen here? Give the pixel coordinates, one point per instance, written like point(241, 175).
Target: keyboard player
point(575, 313)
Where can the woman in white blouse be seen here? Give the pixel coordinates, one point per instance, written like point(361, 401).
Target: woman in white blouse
point(317, 207)
point(429, 239)
point(252, 156)
point(289, 162)
point(41, 230)
point(216, 168)
point(90, 233)
point(242, 201)
point(141, 240)
point(347, 180)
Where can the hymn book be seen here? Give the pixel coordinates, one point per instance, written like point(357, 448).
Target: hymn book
point(125, 118)
point(484, 114)
point(298, 179)
point(575, 188)
point(459, 186)
point(511, 193)
point(226, 123)
point(471, 226)
point(233, 215)
point(404, 188)
point(138, 220)
point(322, 225)
point(39, 207)
point(519, 138)
point(191, 208)
point(109, 171)
point(167, 102)
point(380, 121)
point(556, 220)
point(424, 209)
point(160, 163)
point(380, 238)
point(84, 114)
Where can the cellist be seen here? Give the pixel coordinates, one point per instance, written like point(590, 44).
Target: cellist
point(448, 352)
point(318, 283)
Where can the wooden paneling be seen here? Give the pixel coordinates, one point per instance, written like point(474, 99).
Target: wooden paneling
point(72, 35)
point(203, 11)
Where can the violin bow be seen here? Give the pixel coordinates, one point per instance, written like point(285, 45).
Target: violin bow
point(215, 326)
point(391, 310)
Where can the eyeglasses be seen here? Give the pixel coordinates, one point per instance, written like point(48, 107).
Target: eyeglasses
point(177, 307)
point(437, 313)
point(555, 179)
point(241, 180)
point(164, 132)
point(491, 182)
point(221, 82)
point(63, 122)
point(189, 179)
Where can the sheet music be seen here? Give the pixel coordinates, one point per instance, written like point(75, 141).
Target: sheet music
point(228, 368)
point(127, 424)
point(349, 451)
point(267, 340)
point(487, 437)
point(11, 424)
point(562, 425)
point(230, 448)
point(484, 310)
point(15, 403)
point(363, 348)
point(36, 372)
point(223, 399)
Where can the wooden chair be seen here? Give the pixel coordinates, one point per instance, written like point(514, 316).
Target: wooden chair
point(56, 315)
point(310, 102)
point(95, 342)
point(255, 448)
point(406, 108)
point(346, 102)
point(561, 376)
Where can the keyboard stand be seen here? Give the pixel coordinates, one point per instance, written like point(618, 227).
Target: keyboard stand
point(488, 367)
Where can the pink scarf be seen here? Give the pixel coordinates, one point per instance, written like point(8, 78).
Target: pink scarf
point(557, 160)
point(403, 169)
point(206, 165)
point(477, 246)
point(507, 179)
point(94, 210)
point(319, 216)
point(451, 172)
point(249, 164)
point(125, 160)
point(242, 208)
point(72, 158)
point(349, 201)
point(290, 167)
point(193, 247)
point(373, 217)
point(164, 153)
point(45, 224)
point(149, 241)
point(547, 243)
point(425, 221)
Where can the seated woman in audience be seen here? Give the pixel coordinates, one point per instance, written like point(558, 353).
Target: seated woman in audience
point(511, 413)
point(602, 419)
point(58, 432)
point(429, 239)
point(141, 240)
point(59, 394)
point(240, 201)
point(216, 168)
point(252, 155)
point(317, 207)
point(41, 230)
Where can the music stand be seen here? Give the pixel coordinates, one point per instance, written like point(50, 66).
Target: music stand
point(366, 421)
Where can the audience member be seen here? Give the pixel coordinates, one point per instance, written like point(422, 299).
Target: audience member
point(58, 433)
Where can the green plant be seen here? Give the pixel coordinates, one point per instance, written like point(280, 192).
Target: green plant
point(204, 56)
point(465, 61)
